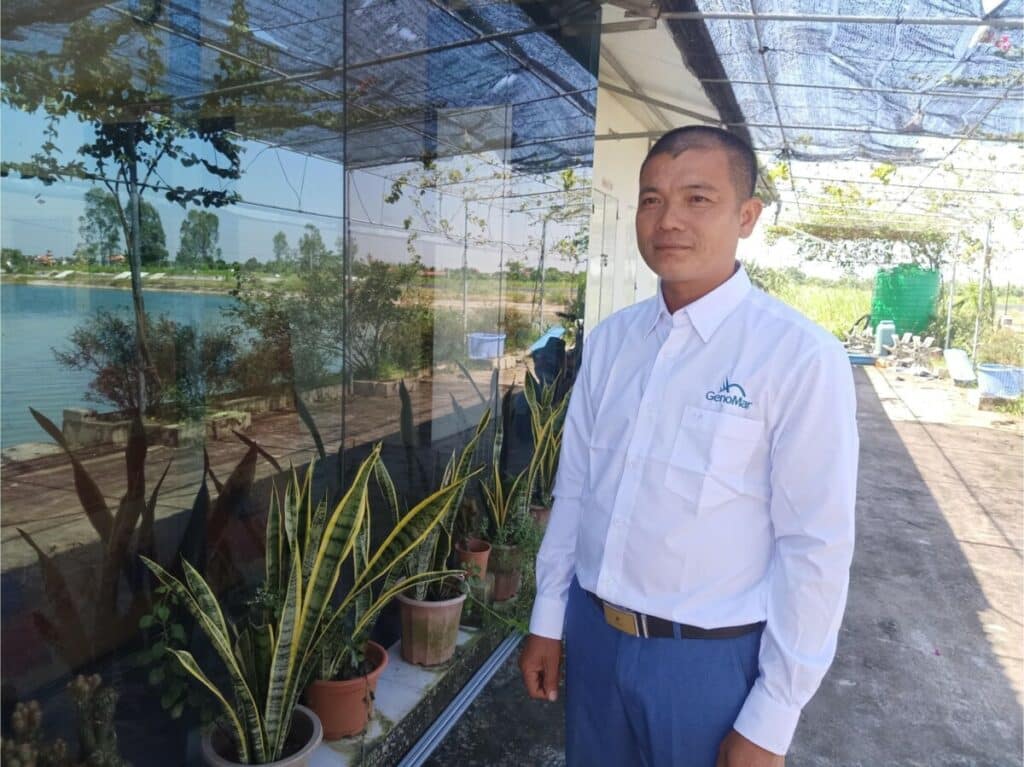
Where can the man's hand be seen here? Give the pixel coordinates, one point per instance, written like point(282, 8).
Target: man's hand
point(539, 663)
point(737, 751)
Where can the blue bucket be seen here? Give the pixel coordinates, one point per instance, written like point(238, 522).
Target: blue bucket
point(1000, 380)
point(485, 346)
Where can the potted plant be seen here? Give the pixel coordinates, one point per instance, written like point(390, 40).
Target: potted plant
point(272, 653)
point(349, 663)
point(472, 554)
point(547, 442)
point(431, 610)
point(507, 500)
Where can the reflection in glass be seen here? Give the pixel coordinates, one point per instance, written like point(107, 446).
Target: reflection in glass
point(239, 235)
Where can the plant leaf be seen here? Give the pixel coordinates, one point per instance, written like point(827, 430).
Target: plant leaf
point(307, 418)
point(69, 632)
point(89, 494)
point(189, 664)
point(259, 449)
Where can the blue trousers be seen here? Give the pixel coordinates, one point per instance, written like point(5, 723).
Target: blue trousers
point(635, 702)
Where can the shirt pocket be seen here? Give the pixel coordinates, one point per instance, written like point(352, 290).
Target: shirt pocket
point(711, 456)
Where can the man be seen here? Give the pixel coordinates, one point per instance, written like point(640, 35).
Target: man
point(697, 556)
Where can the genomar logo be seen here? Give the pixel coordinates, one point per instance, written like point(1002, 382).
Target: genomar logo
point(730, 394)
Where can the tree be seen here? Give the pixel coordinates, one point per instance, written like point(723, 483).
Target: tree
point(192, 366)
point(153, 249)
point(102, 235)
point(91, 80)
point(199, 234)
point(312, 250)
point(515, 270)
point(99, 227)
point(282, 252)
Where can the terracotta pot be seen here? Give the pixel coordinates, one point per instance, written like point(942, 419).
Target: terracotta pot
point(541, 515)
point(306, 734)
point(507, 569)
point(430, 630)
point(473, 554)
point(345, 707)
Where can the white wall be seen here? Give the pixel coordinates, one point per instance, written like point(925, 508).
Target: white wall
point(616, 274)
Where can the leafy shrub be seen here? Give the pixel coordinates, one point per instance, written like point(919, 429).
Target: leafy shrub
point(1002, 346)
point(189, 367)
point(519, 332)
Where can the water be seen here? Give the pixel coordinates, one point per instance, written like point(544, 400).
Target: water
point(36, 319)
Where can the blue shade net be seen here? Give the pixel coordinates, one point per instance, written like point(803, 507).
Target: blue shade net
point(883, 86)
point(291, 81)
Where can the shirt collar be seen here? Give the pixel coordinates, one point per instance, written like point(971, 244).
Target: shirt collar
point(707, 312)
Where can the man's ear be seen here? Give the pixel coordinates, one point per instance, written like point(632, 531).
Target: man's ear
point(750, 211)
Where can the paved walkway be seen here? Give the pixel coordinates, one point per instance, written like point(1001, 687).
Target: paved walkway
point(929, 668)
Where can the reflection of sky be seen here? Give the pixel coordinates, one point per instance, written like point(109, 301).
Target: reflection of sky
point(281, 190)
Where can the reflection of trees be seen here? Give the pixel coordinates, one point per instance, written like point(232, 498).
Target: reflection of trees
point(100, 229)
point(200, 232)
point(92, 79)
point(191, 366)
point(301, 325)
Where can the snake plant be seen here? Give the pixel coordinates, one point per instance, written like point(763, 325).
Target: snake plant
point(547, 418)
point(508, 498)
point(433, 553)
point(269, 664)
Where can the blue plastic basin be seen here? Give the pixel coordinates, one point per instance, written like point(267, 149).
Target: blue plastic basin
point(485, 346)
point(1000, 380)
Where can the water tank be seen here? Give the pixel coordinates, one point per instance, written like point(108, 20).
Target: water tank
point(907, 296)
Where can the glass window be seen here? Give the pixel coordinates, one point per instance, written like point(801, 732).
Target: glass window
point(233, 231)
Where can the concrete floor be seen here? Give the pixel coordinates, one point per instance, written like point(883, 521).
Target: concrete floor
point(929, 669)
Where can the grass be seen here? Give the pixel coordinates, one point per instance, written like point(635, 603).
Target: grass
point(835, 308)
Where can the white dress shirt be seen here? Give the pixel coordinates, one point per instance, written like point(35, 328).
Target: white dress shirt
point(708, 476)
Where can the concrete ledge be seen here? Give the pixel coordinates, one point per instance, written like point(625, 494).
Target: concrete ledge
point(409, 698)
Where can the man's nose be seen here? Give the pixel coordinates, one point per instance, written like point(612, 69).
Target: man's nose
point(673, 217)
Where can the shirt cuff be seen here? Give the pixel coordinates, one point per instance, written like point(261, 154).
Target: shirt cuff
point(548, 617)
point(766, 722)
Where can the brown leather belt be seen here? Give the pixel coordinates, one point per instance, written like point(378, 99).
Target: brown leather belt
point(652, 627)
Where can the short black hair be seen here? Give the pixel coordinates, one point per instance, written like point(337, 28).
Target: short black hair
point(742, 160)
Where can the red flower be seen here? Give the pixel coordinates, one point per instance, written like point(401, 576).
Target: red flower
point(1003, 43)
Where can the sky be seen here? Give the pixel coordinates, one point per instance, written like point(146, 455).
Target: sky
point(283, 190)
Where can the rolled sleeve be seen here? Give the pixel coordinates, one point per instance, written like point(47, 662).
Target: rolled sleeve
point(812, 513)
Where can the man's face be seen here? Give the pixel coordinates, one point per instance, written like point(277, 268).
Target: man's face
point(690, 217)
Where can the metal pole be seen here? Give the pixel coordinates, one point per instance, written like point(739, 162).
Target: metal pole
point(981, 293)
point(543, 243)
point(952, 293)
point(465, 267)
point(1010, 22)
point(634, 135)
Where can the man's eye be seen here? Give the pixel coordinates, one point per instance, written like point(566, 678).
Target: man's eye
point(648, 201)
point(700, 198)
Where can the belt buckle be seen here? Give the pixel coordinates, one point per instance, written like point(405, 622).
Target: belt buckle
point(624, 620)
